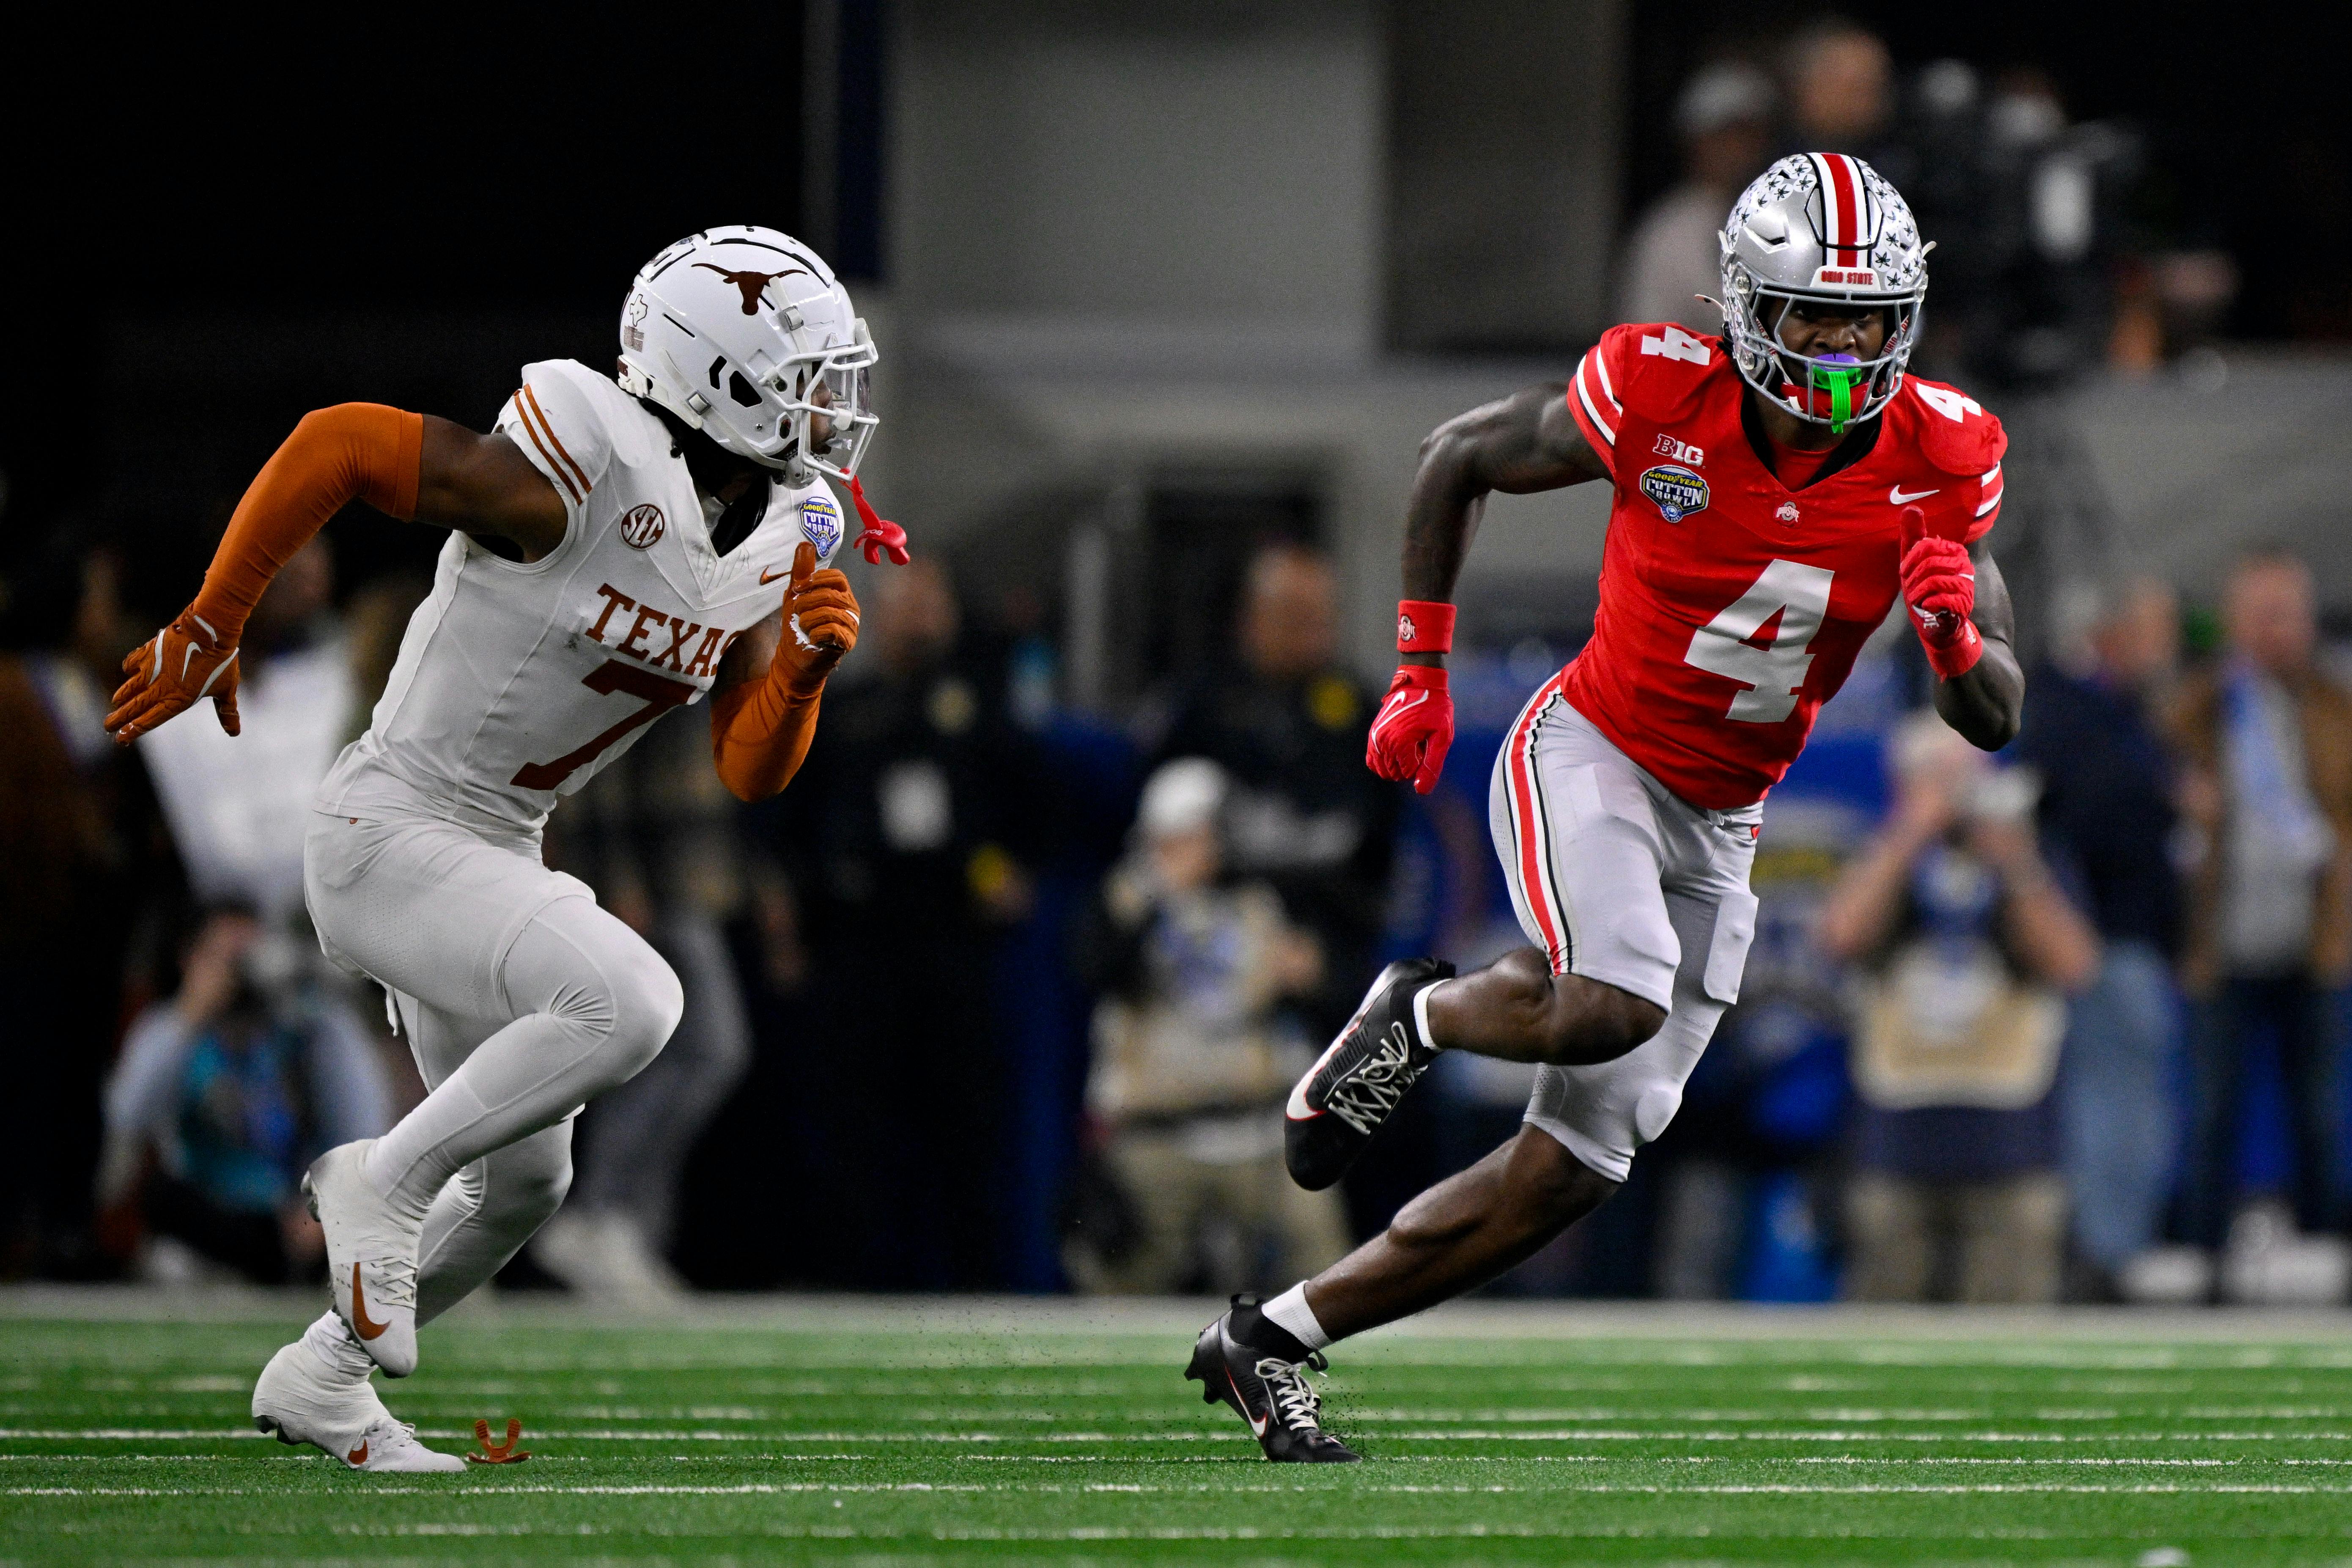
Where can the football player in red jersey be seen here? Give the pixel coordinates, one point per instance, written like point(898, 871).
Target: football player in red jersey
point(1776, 491)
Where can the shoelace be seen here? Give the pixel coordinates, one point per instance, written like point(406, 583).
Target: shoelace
point(1296, 1404)
point(1363, 1096)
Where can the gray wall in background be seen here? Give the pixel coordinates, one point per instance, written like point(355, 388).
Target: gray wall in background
point(1141, 173)
point(1506, 139)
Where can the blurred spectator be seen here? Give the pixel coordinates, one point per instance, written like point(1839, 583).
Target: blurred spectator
point(904, 838)
point(2107, 816)
point(1190, 1068)
point(1840, 84)
point(1675, 254)
point(225, 1093)
point(655, 835)
point(1287, 722)
point(1967, 941)
point(239, 805)
point(2268, 742)
point(82, 857)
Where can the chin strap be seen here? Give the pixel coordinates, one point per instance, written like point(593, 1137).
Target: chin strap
point(880, 534)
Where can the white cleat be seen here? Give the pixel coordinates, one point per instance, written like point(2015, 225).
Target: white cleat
point(299, 1401)
point(371, 1255)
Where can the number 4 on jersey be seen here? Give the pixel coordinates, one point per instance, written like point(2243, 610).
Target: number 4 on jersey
point(1800, 595)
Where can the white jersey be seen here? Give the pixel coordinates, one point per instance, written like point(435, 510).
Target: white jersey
point(516, 683)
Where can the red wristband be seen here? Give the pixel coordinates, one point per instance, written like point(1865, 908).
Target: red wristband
point(1424, 626)
point(1952, 659)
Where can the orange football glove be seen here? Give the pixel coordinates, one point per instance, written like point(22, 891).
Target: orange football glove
point(184, 663)
point(820, 623)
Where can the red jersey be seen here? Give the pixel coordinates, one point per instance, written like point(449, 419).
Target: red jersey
point(1732, 607)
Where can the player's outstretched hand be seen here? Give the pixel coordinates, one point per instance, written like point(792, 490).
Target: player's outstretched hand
point(171, 672)
point(1940, 584)
point(820, 621)
point(1414, 729)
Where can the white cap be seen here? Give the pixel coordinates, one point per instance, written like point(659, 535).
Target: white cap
point(1183, 796)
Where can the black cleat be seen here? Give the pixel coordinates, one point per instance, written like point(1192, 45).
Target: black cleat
point(1356, 1084)
point(1270, 1394)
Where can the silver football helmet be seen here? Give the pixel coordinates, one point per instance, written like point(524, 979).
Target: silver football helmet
point(1821, 226)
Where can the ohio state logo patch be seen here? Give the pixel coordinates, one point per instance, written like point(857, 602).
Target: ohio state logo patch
point(641, 525)
point(821, 524)
point(1678, 492)
point(1404, 627)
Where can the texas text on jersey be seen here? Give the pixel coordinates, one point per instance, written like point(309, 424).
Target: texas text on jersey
point(1732, 607)
point(566, 659)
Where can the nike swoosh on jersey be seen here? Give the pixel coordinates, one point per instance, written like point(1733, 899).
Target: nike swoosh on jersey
point(1897, 498)
point(766, 577)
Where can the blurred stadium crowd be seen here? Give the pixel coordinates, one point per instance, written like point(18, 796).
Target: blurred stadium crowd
point(1006, 991)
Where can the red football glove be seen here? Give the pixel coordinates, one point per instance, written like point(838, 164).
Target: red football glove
point(1413, 727)
point(880, 534)
point(173, 671)
point(1940, 584)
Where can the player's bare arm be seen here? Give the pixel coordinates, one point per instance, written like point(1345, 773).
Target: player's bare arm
point(1519, 445)
point(1986, 702)
point(484, 486)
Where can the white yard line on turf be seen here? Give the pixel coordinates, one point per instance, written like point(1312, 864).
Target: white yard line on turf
point(782, 1488)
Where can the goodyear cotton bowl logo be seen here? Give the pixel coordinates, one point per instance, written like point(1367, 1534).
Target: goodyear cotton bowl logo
point(1677, 490)
point(821, 524)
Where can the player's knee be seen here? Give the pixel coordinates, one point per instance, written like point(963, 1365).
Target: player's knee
point(1588, 1023)
point(648, 1002)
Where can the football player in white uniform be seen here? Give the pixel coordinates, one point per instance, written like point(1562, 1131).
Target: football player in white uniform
point(621, 547)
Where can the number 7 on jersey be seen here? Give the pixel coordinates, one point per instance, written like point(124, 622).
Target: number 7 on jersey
point(1800, 595)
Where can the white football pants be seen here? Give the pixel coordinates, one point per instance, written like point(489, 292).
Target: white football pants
point(521, 998)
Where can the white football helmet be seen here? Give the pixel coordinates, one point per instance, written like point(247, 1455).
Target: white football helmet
point(734, 330)
point(1821, 226)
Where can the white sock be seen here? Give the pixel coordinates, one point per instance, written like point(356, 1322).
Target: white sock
point(330, 1341)
point(1289, 1311)
point(1421, 1015)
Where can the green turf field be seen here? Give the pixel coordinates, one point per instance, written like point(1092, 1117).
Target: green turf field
point(857, 1432)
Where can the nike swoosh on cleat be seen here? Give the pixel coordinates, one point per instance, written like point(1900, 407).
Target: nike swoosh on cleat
point(1297, 1110)
point(363, 1325)
point(1257, 1424)
point(1897, 498)
point(358, 1456)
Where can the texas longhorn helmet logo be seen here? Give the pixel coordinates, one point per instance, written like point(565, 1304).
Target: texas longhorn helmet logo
point(750, 284)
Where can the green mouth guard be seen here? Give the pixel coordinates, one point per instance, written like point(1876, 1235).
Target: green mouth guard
point(1840, 382)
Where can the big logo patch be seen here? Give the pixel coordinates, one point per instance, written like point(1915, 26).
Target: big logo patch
point(821, 524)
point(1678, 492)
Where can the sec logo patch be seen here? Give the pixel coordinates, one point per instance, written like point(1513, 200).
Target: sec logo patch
point(821, 524)
point(1678, 492)
point(642, 525)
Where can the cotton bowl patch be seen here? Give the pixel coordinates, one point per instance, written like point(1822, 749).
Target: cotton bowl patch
point(1678, 491)
point(821, 524)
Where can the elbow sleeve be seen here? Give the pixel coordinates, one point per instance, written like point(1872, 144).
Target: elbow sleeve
point(362, 451)
point(760, 734)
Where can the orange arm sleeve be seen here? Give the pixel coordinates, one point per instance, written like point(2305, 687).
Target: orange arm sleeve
point(760, 733)
point(353, 450)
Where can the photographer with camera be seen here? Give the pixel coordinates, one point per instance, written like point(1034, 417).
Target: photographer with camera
point(224, 1095)
point(1967, 945)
